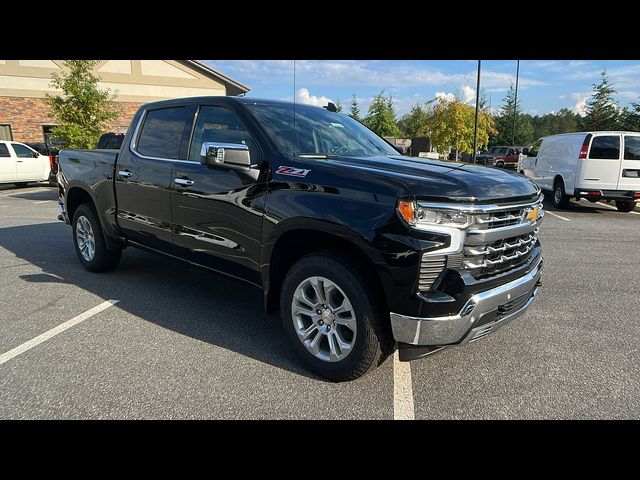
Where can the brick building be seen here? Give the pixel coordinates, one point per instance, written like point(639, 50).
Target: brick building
point(24, 115)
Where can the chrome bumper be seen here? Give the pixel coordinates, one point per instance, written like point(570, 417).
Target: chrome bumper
point(458, 329)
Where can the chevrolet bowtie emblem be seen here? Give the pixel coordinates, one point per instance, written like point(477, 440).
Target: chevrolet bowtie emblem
point(532, 215)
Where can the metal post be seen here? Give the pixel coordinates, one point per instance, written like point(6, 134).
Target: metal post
point(475, 126)
point(515, 106)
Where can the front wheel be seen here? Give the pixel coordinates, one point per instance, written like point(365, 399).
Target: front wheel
point(89, 241)
point(560, 198)
point(333, 317)
point(625, 206)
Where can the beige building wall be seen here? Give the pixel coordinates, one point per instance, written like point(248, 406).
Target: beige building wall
point(24, 83)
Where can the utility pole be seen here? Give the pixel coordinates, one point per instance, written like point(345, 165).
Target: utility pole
point(515, 106)
point(475, 126)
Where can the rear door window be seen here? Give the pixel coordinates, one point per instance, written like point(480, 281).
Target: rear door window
point(605, 147)
point(631, 147)
point(163, 131)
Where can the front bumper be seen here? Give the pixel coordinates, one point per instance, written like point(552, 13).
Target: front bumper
point(482, 314)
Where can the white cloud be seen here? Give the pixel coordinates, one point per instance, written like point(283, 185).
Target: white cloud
point(449, 97)
point(303, 96)
point(468, 94)
point(388, 74)
point(580, 102)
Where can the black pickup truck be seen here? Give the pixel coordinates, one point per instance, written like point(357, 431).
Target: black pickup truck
point(362, 249)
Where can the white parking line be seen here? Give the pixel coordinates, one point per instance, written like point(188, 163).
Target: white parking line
point(42, 201)
point(403, 408)
point(556, 215)
point(5, 357)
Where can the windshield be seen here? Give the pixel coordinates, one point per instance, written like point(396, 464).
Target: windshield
point(318, 131)
point(498, 150)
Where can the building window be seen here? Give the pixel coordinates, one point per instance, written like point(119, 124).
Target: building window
point(46, 132)
point(5, 132)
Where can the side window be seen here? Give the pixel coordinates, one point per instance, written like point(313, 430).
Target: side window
point(533, 151)
point(22, 151)
point(4, 151)
point(606, 147)
point(511, 152)
point(163, 131)
point(221, 125)
point(631, 148)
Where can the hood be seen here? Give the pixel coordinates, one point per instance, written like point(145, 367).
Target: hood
point(446, 181)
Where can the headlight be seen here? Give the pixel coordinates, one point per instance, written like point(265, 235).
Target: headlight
point(416, 215)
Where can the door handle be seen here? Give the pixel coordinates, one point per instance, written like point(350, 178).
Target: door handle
point(185, 182)
point(125, 173)
point(19, 161)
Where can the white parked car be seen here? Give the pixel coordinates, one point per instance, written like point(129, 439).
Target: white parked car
point(21, 164)
point(591, 165)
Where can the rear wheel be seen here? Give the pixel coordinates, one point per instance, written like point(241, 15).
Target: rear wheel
point(625, 206)
point(560, 198)
point(333, 318)
point(89, 241)
point(500, 164)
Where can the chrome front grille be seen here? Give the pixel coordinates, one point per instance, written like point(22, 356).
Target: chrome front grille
point(430, 268)
point(499, 238)
point(501, 219)
point(499, 253)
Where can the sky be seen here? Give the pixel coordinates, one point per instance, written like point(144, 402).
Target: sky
point(544, 85)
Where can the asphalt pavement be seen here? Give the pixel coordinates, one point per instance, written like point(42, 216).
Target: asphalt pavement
point(184, 343)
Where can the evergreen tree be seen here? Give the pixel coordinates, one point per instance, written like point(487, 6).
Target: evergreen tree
point(504, 123)
point(381, 117)
point(338, 106)
point(83, 111)
point(354, 111)
point(414, 121)
point(601, 109)
point(630, 118)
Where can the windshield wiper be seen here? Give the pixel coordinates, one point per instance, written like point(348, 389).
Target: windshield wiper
point(313, 155)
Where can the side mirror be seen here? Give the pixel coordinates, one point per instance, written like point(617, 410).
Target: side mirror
point(232, 156)
point(35, 154)
point(525, 151)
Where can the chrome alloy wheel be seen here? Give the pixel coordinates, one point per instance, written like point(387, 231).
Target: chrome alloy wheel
point(324, 319)
point(85, 238)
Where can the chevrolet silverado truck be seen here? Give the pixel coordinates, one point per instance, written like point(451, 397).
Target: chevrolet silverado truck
point(362, 250)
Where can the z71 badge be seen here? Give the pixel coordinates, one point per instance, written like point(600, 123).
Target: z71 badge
point(292, 172)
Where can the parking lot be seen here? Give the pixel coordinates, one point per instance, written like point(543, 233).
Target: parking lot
point(200, 346)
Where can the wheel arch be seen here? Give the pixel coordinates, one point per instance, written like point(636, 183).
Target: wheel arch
point(296, 242)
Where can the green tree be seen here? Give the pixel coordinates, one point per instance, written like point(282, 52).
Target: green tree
point(354, 110)
point(381, 116)
point(630, 118)
point(414, 121)
point(504, 123)
point(601, 109)
point(338, 106)
point(83, 111)
point(452, 125)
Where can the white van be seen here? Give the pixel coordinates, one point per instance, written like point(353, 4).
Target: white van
point(21, 164)
point(591, 165)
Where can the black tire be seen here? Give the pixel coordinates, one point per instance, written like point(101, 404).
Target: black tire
point(373, 340)
point(21, 184)
point(103, 259)
point(625, 206)
point(500, 164)
point(560, 198)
